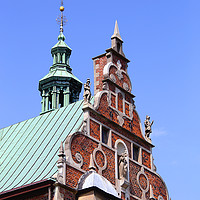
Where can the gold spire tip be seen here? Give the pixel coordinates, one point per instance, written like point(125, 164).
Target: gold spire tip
point(62, 8)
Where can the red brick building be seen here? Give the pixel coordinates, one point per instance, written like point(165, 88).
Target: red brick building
point(103, 153)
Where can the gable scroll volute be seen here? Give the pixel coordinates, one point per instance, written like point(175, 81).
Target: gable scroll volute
point(117, 73)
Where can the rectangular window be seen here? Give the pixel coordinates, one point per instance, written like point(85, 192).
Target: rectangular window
point(105, 135)
point(135, 152)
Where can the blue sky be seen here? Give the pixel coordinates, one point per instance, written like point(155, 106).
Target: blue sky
point(162, 40)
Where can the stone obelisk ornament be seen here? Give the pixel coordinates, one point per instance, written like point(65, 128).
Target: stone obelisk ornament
point(148, 125)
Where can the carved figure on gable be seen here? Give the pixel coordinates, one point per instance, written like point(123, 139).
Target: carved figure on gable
point(123, 166)
point(87, 92)
point(148, 125)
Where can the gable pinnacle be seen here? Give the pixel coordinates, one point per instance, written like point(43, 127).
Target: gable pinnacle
point(116, 32)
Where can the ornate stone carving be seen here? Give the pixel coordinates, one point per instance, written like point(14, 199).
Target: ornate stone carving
point(100, 168)
point(105, 86)
point(79, 158)
point(123, 166)
point(112, 77)
point(87, 92)
point(119, 71)
point(148, 125)
point(160, 197)
point(125, 86)
point(120, 119)
point(143, 182)
point(61, 165)
point(84, 126)
point(154, 168)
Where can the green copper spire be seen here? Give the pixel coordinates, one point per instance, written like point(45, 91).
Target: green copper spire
point(59, 87)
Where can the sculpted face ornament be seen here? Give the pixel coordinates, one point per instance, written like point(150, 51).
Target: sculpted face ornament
point(148, 125)
point(87, 92)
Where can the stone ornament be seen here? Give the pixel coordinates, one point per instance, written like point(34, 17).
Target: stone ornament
point(160, 197)
point(143, 182)
point(123, 166)
point(112, 77)
point(95, 161)
point(119, 71)
point(148, 125)
point(125, 86)
point(120, 118)
point(79, 158)
point(87, 92)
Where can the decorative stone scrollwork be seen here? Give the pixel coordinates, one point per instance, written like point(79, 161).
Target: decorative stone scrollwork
point(143, 182)
point(120, 119)
point(95, 158)
point(79, 158)
point(125, 86)
point(112, 77)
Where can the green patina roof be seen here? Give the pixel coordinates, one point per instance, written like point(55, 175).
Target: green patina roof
point(60, 73)
point(29, 149)
point(61, 42)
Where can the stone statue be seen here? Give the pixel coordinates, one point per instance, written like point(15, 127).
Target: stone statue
point(123, 166)
point(87, 92)
point(148, 125)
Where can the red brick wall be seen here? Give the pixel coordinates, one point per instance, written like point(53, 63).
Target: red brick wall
point(85, 146)
point(95, 130)
point(146, 159)
point(157, 185)
point(119, 130)
point(131, 125)
point(109, 172)
point(72, 176)
point(102, 61)
point(134, 187)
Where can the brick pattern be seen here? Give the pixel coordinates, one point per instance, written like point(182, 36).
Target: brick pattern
point(113, 101)
point(143, 181)
point(72, 176)
point(111, 87)
point(83, 145)
point(128, 97)
point(131, 125)
point(109, 172)
point(134, 187)
point(127, 109)
point(118, 129)
point(157, 185)
point(95, 130)
point(120, 102)
point(99, 65)
point(67, 194)
point(146, 160)
point(100, 159)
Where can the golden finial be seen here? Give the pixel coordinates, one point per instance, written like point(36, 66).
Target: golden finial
point(62, 19)
point(62, 8)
